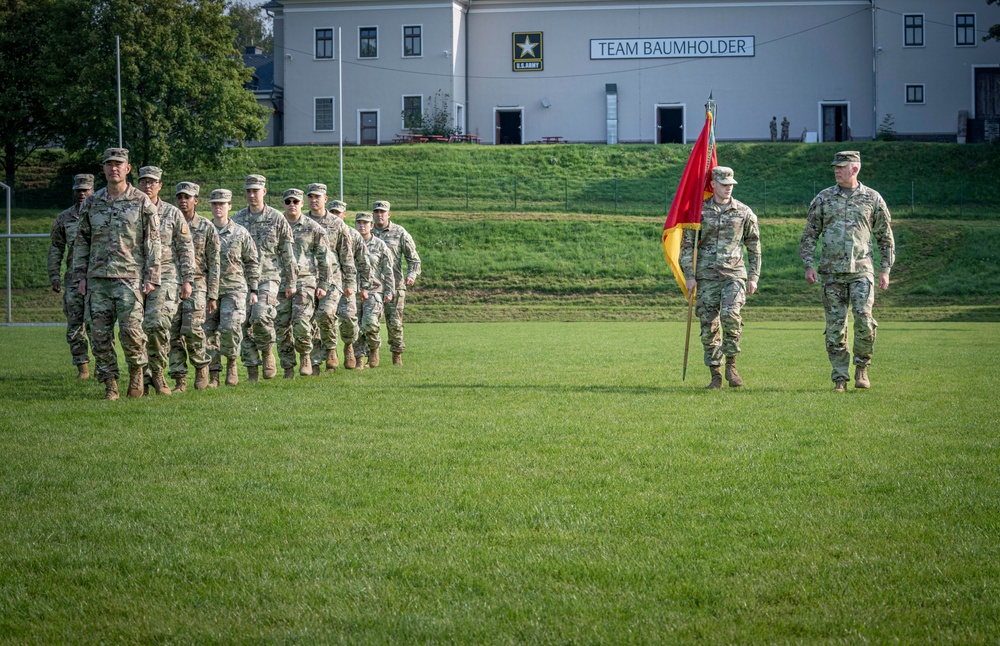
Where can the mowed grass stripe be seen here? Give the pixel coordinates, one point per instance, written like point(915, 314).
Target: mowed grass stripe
point(539, 482)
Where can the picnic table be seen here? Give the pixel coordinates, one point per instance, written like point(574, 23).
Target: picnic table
point(409, 138)
point(553, 139)
point(467, 138)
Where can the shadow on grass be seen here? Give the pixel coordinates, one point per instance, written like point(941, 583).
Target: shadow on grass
point(688, 388)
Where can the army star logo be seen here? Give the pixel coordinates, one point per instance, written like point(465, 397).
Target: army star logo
point(527, 49)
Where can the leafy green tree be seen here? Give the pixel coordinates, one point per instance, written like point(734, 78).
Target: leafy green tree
point(436, 120)
point(251, 27)
point(994, 32)
point(182, 81)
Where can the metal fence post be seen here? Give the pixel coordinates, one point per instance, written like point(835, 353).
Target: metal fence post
point(913, 196)
point(9, 232)
point(418, 191)
point(566, 193)
point(616, 195)
point(515, 192)
point(466, 192)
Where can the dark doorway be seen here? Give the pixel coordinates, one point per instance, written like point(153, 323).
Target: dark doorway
point(987, 92)
point(508, 125)
point(369, 128)
point(836, 126)
point(669, 125)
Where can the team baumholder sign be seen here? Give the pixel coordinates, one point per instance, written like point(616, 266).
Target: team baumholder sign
point(716, 46)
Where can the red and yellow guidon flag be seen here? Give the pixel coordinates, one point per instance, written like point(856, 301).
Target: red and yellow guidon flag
point(695, 187)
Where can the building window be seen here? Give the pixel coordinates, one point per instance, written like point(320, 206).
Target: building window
point(411, 41)
point(323, 114)
point(913, 30)
point(412, 111)
point(324, 43)
point(368, 42)
point(965, 30)
point(914, 94)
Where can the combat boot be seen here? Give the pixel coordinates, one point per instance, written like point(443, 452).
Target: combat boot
point(82, 371)
point(213, 379)
point(135, 382)
point(397, 358)
point(372, 357)
point(201, 378)
point(270, 367)
point(716, 378)
point(305, 365)
point(111, 389)
point(317, 369)
point(253, 374)
point(840, 385)
point(861, 377)
point(181, 384)
point(350, 362)
point(290, 373)
point(159, 383)
point(331, 359)
point(732, 376)
point(232, 377)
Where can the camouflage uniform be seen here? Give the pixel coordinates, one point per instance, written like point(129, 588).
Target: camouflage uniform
point(401, 245)
point(332, 306)
point(239, 273)
point(187, 330)
point(774, 128)
point(176, 268)
point(784, 128)
point(382, 281)
point(847, 219)
point(317, 269)
point(74, 303)
point(117, 249)
point(722, 274)
point(273, 237)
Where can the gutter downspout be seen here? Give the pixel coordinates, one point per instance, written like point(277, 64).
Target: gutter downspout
point(465, 126)
point(874, 71)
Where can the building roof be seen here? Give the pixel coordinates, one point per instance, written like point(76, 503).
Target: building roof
point(263, 69)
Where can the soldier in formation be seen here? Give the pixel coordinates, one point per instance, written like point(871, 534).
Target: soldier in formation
point(401, 244)
point(380, 291)
point(363, 279)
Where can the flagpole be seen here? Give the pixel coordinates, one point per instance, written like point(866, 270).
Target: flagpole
point(687, 335)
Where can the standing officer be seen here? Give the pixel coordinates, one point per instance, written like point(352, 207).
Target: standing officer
point(380, 291)
point(273, 237)
point(316, 276)
point(187, 333)
point(848, 215)
point(401, 244)
point(722, 278)
point(116, 260)
point(239, 271)
point(176, 274)
point(785, 124)
point(774, 128)
point(330, 306)
point(62, 237)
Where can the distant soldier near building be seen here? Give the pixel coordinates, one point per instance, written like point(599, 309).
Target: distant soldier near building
point(310, 248)
point(116, 260)
point(239, 272)
point(334, 305)
point(273, 237)
point(74, 304)
point(722, 277)
point(380, 291)
point(401, 245)
point(176, 274)
point(785, 124)
point(774, 128)
point(187, 333)
point(848, 216)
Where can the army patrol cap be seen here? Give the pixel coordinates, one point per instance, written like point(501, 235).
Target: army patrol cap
point(723, 175)
point(116, 154)
point(151, 171)
point(292, 194)
point(845, 157)
point(187, 188)
point(380, 205)
point(338, 206)
point(364, 216)
point(316, 189)
point(83, 181)
point(255, 181)
point(221, 195)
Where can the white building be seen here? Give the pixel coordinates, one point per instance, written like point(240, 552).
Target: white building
point(518, 71)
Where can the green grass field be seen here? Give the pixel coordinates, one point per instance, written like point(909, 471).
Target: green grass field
point(513, 483)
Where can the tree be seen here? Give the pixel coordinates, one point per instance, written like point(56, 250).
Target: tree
point(31, 78)
point(436, 120)
point(183, 90)
point(250, 26)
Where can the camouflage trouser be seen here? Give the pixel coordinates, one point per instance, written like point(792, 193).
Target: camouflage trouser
point(294, 324)
point(841, 292)
point(224, 328)
point(394, 321)
point(75, 309)
point(369, 328)
point(187, 335)
point(258, 329)
point(110, 300)
point(718, 307)
point(161, 305)
point(324, 335)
